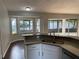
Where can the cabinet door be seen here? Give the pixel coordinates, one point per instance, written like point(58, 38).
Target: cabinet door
point(33, 52)
point(68, 55)
point(50, 52)
point(65, 56)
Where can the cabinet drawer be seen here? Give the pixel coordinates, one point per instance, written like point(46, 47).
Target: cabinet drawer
point(34, 46)
point(50, 47)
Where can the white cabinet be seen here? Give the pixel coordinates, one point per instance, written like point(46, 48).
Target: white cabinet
point(33, 51)
point(51, 52)
point(43, 51)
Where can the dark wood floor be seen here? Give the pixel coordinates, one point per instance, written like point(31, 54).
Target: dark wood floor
point(16, 51)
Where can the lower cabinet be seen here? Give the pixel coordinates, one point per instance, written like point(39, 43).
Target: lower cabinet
point(51, 52)
point(68, 55)
point(43, 51)
point(33, 51)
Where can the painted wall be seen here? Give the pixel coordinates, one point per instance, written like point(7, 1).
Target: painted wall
point(4, 28)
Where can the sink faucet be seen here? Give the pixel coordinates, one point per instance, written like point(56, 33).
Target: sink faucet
point(54, 37)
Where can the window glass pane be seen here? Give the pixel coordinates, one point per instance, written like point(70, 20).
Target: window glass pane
point(51, 25)
point(75, 24)
point(60, 24)
point(71, 25)
point(31, 22)
point(37, 25)
point(31, 25)
point(21, 25)
point(67, 24)
point(55, 25)
point(26, 26)
point(13, 25)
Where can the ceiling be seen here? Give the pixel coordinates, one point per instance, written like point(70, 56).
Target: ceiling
point(51, 6)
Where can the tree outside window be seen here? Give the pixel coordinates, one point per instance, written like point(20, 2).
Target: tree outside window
point(71, 25)
point(55, 26)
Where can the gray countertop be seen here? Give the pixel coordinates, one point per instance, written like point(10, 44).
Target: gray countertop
point(71, 49)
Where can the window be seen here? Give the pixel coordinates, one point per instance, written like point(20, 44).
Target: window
point(71, 25)
point(13, 26)
point(26, 26)
point(37, 25)
point(55, 25)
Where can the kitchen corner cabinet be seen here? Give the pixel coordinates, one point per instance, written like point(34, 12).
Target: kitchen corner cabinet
point(43, 51)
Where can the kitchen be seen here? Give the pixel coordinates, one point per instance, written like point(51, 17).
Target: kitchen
point(54, 26)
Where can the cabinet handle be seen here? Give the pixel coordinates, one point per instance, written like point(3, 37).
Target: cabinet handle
point(33, 47)
point(42, 53)
point(39, 53)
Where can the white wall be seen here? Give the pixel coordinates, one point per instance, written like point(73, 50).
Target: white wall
point(4, 27)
